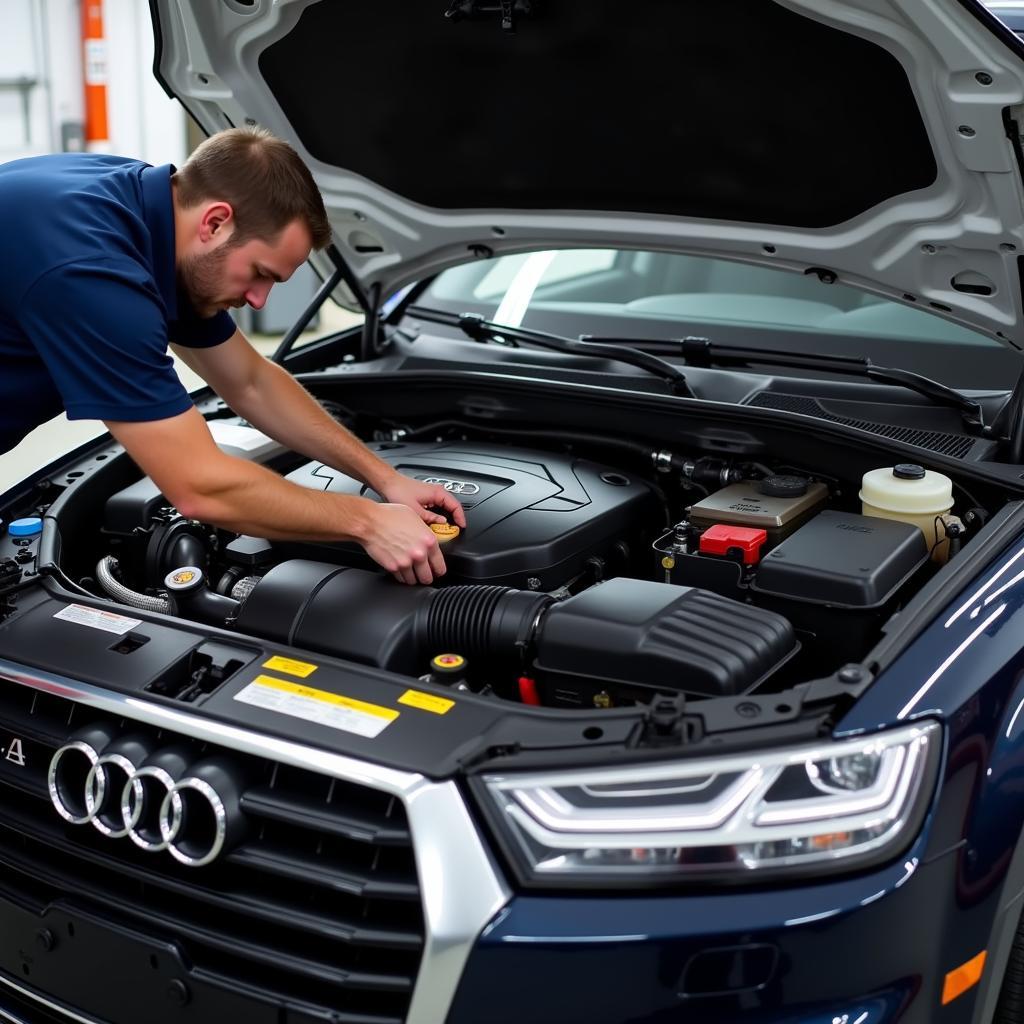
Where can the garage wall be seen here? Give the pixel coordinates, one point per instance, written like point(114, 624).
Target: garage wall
point(41, 89)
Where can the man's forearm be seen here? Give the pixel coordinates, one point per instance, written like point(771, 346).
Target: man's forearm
point(279, 406)
point(246, 498)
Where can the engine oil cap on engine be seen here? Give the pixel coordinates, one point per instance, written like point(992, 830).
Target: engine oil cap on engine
point(722, 540)
point(445, 532)
point(27, 527)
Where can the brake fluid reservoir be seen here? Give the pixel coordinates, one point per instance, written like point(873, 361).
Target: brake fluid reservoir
point(910, 494)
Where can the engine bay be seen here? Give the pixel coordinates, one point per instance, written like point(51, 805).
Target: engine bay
point(579, 582)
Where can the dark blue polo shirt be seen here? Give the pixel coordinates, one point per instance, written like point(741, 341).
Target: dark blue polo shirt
point(88, 293)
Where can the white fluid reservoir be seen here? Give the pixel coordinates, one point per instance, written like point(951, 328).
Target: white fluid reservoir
point(910, 494)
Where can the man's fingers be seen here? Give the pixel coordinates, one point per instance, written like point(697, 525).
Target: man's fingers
point(451, 503)
point(436, 560)
point(423, 573)
point(446, 500)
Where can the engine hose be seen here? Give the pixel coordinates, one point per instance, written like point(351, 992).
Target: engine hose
point(105, 569)
point(241, 589)
point(483, 620)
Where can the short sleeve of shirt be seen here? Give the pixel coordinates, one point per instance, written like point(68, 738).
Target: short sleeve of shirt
point(100, 328)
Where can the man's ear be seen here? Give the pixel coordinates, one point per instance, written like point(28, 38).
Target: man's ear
point(217, 221)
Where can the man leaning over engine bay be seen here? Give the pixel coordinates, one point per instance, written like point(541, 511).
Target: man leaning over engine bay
point(111, 260)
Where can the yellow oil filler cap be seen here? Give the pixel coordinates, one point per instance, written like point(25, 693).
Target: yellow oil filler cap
point(910, 494)
point(445, 532)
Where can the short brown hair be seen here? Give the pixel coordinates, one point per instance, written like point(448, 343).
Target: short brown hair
point(262, 177)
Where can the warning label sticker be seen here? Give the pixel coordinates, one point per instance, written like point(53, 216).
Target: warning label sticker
point(426, 702)
point(291, 666)
point(319, 706)
point(96, 618)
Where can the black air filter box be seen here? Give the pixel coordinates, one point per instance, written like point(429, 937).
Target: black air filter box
point(632, 637)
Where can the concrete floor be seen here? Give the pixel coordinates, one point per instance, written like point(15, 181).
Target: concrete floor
point(60, 435)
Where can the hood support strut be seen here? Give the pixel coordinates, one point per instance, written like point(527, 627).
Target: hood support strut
point(1008, 426)
point(370, 305)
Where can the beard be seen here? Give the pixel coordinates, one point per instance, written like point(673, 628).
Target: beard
point(201, 279)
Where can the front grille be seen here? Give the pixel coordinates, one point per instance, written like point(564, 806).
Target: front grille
point(20, 1010)
point(316, 914)
point(954, 445)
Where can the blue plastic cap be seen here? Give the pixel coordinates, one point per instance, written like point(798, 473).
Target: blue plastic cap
point(26, 527)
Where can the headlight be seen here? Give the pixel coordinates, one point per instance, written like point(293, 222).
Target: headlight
point(809, 809)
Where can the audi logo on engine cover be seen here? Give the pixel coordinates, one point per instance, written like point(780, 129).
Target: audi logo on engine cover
point(122, 786)
point(453, 486)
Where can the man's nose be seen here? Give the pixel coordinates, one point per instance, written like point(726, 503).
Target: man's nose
point(256, 296)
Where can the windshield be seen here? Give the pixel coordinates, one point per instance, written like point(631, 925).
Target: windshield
point(638, 295)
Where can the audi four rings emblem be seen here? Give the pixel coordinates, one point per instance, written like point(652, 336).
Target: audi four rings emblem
point(453, 486)
point(149, 808)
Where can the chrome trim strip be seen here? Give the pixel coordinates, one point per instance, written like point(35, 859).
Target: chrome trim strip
point(461, 886)
point(53, 1007)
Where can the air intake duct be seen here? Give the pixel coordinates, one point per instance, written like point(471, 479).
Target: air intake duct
point(370, 618)
point(624, 638)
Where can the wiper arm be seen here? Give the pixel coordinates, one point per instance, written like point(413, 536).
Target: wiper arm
point(933, 389)
point(702, 352)
point(476, 327)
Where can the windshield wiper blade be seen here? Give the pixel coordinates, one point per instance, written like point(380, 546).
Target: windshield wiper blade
point(702, 352)
point(479, 329)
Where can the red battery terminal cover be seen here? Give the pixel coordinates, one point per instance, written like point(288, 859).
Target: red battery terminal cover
point(721, 539)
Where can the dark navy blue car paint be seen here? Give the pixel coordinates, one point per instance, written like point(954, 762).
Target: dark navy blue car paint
point(902, 928)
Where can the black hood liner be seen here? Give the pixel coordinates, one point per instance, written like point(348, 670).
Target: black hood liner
point(722, 109)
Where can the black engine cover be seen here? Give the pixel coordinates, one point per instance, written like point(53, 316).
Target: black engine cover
point(530, 515)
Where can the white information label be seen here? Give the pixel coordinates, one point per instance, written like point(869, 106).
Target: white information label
point(96, 618)
point(247, 439)
point(332, 710)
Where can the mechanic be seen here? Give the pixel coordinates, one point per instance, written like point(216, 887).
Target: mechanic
point(107, 261)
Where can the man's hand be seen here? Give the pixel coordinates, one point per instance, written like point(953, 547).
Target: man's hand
point(205, 484)
point(398, 541)
point(419, 496)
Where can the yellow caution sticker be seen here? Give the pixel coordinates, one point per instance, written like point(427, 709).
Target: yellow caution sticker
point(668, 562)
point(319, 706)
point(426, 702)
point(302, 669)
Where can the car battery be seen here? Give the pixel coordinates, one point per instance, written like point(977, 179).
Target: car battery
point(839, 575)
point(777, 504)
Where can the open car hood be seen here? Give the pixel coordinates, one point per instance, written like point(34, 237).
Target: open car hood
point(877, 140)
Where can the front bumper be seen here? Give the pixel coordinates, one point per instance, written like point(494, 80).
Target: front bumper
point(865, 950)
